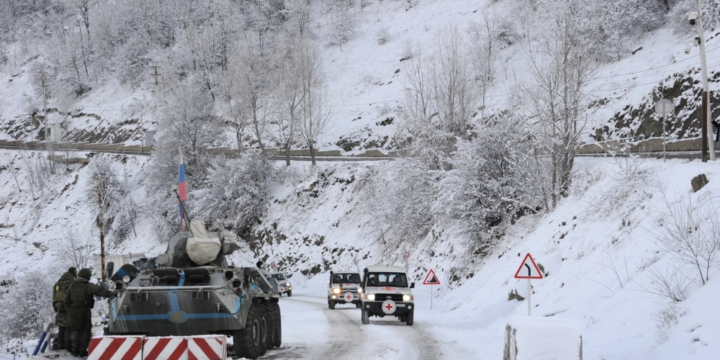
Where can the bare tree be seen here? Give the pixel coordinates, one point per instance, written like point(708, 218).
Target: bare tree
point(453, 88)
point(487, 38)
point(253, 83)
point(417, 90)
point(75, 249)
point(668, 281)
point(289, 94)
point(82, 9)
point(689, 233)
point(440, 98)
point(315, 111)
point(297, 13)
point(561, 64)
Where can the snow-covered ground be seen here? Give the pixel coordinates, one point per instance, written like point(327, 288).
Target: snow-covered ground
point(598, 249)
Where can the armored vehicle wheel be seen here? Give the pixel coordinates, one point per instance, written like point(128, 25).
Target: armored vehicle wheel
point(249, 342)
point(277, 337)
point(270, 321)
point(331, 304)
point(409, 317)
point(289, 293)
point(365, 317)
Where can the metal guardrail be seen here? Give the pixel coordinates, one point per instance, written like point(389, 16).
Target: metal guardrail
point(682, 149)
point(275, 154)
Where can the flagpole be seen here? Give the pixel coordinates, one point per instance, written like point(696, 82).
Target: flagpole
point(184, 218)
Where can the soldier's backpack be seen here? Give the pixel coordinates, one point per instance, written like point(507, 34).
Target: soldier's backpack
point(59, 290)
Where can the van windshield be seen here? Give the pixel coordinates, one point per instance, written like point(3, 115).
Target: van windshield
point(346, 278)
point(278, 276)
point(387, 279)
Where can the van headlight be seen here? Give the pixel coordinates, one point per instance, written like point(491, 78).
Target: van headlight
point(336, 290)
point(126, 279)
point(370, 297)
point(408, 298)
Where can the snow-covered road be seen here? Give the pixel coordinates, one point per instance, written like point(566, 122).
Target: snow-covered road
point(312, 331)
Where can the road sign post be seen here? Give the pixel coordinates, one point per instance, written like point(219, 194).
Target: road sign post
point(528, 270)
point(431, 279)
point(663, 108)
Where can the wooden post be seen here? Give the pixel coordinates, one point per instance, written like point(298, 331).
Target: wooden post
point(101, 225)
point(704, 131)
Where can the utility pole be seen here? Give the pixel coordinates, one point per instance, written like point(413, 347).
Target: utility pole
point(101, 225)
point(706, 116)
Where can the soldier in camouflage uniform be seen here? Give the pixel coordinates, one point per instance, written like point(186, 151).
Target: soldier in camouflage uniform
point(61, 286)
point(78, 303)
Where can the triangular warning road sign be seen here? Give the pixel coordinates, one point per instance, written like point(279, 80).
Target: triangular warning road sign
point(528, 269)
point(431, 278)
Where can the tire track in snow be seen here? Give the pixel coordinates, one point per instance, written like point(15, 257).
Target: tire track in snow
point(382, 339)
point(346, 339)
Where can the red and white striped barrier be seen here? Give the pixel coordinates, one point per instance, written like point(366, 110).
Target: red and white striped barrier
point(165, 348)
point(211, 347)
point(116, 348)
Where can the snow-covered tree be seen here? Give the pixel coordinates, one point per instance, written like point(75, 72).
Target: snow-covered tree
point(110, 193)
point(236, 192)
point(401, 197)
point(24, 309)
point(493, 179)
point(188, 122)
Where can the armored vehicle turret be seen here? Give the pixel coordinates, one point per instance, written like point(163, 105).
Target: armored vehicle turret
point(194, 292)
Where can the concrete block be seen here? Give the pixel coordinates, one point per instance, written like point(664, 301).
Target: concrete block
point(542, 338)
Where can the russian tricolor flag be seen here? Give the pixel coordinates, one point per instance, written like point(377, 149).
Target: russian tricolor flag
point(182, 192)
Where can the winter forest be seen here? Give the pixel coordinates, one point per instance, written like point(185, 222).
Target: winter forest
point(485, 103)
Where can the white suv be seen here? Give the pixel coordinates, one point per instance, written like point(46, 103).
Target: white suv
point(284, 285)
point(386, 292)
point(343, 288)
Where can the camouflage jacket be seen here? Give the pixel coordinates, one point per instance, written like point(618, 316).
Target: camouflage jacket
point(79, 300)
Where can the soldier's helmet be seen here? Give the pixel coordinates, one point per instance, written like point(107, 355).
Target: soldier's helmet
point(85, 273)
point(73, 271)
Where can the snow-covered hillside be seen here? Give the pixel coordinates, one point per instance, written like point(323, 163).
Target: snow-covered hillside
point(366, 77)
